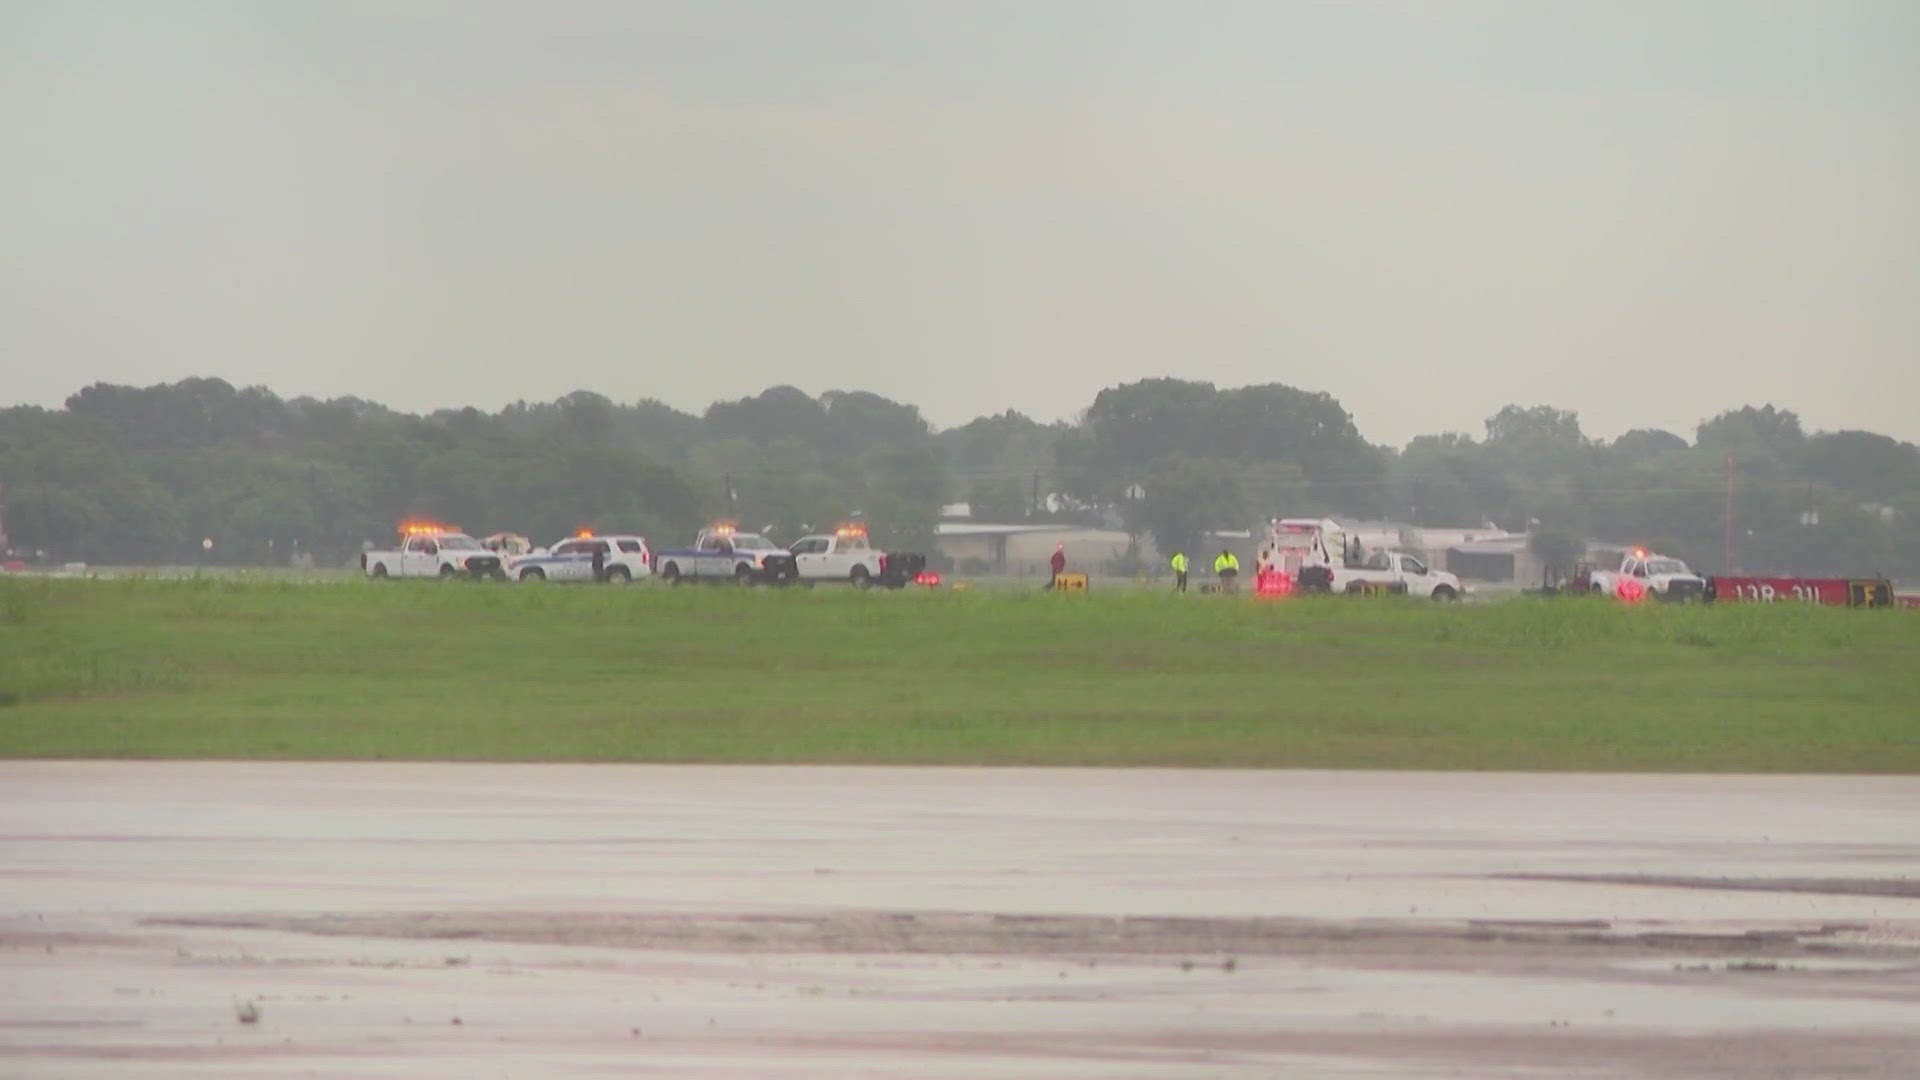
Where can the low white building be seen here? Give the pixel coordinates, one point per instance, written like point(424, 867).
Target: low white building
point(1026, 547)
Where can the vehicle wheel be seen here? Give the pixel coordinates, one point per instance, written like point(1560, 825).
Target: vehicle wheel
point(618, 575)
point(379, 570)
point(670, 573)
point(1356, 588)
point(447, 572)
point(860, 578)
point(743, 574)
point(1444, 594)
point(533, 573)
point(1597, 588)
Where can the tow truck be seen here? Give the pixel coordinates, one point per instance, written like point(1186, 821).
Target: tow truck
point(847, 555)
point(1293, 544)
point(1643, 574)
point(432, 550)
point(723, 553)
point(1311, 555)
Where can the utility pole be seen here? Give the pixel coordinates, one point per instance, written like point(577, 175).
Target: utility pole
point(1726, 534)
point(1033, 504)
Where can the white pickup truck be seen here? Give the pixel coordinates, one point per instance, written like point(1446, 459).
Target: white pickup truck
point(843, 556)
point(1644, 574)
point(434, 555)
point(1394, 572)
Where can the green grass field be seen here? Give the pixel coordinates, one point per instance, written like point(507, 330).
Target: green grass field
point(225, 668)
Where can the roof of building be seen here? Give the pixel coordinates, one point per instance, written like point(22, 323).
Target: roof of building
point(1490, 547)
point(984, 528)
point(1025, 528)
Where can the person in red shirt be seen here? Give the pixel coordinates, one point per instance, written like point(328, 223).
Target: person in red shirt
point(1059, 564)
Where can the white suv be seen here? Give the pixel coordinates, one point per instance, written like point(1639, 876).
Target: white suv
point(621, 558)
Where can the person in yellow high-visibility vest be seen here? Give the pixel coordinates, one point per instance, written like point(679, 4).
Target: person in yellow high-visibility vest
point(1179, 571)
point(1226, 567)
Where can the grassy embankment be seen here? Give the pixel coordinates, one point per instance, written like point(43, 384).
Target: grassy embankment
point(234, 669)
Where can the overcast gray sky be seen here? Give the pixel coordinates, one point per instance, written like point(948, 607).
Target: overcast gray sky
point(1645, 211)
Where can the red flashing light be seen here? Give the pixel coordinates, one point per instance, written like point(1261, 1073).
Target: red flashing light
point(1271, 582)
point(929, 578)
point(1632, 590)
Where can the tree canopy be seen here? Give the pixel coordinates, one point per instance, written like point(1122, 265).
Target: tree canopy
point(144, 474)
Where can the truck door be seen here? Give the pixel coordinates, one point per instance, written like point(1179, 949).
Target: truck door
point(834, 559)
point(809, 556)
point(714, 558)
point(1414, 575)
point(419, 557)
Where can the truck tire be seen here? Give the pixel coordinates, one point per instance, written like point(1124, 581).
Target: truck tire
point(743, 575)
point(1444, 594)
point(670, 573)
point(1597, 589)
point(447, 573)
point(533, 573)
point(379, 570)
point(860, 578)
point(618, 575)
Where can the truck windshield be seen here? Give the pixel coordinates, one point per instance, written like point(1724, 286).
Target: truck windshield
point(459, 542)
point(1666, 566)
point(751, 542)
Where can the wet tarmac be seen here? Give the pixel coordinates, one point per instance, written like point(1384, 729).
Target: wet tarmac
point(554, 920)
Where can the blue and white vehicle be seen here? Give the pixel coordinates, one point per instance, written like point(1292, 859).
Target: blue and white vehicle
point(722, 554)
point(622, 559)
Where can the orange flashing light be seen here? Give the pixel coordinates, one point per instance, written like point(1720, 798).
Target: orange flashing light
point(722, 530)
point(851, 530)
point(424, 528)
point(1639, 553)
point(583, 534)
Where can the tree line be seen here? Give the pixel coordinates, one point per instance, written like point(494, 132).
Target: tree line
point(147, 474)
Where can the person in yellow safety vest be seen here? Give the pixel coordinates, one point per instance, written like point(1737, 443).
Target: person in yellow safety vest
point(1179, 571)
point(1226, 567)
